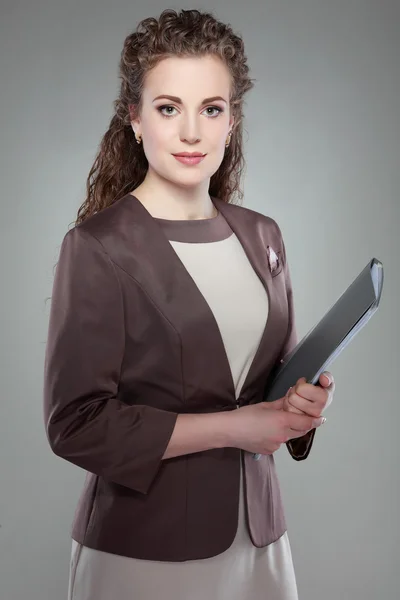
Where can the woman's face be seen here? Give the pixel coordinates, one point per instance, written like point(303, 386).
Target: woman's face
point(194, 118)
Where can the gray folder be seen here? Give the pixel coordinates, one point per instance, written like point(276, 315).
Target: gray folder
point(323, 344)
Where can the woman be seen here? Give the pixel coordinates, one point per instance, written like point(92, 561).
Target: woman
point(171, 306)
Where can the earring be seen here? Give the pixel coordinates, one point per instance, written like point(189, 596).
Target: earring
point(138, 139)
point(228, 139)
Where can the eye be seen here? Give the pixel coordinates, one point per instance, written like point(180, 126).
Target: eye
point(161, 108)
point(170, 108)
point(217, 108)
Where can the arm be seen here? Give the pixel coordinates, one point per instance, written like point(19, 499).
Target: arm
point(198, 432)
point(85, 422)
point(299, 448)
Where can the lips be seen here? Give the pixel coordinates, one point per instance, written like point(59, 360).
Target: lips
point(190, 159)
point(190, 154)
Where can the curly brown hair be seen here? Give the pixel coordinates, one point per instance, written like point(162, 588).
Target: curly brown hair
point(121, 165)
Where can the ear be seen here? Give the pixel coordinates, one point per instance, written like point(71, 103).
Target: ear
point(231, 122)
point(135, 119)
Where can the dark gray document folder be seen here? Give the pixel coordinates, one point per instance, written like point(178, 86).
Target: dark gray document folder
point(323, 344)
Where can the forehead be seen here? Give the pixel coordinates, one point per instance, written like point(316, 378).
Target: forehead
point(189, 77)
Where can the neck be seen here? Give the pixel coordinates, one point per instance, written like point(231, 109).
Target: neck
point(165, 200)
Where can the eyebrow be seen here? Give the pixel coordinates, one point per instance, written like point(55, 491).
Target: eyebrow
point(179, 101)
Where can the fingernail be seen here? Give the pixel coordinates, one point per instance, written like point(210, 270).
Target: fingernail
point(328, 378)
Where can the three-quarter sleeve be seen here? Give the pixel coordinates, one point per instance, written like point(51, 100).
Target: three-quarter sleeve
point(85, 421)
point(299, 448)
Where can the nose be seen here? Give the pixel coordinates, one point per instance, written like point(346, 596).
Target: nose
point(190, 129)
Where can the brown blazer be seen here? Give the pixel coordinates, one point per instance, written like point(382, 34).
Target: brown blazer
point(131, 344)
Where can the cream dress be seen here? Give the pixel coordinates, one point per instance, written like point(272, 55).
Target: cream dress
point(216, 261)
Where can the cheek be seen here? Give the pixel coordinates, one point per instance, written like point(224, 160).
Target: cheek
point(216, 148)
point(157, 139)
point(157, 148)
point(217, 134)
point(158, 133)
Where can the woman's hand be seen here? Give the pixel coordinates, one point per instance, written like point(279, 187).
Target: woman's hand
point(263, 427)
point(308, 399)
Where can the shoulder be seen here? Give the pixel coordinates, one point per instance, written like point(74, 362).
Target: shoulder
point(256, 216)
point(264, 224)
point(100, 229)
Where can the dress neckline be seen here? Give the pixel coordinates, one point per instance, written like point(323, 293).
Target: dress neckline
point(214, 229)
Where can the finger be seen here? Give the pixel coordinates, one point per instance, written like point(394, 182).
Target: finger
point(326, 379)
point(298, 403)
point(313, 393)
point(288, 406)
point(302, 422)
point(294, 433)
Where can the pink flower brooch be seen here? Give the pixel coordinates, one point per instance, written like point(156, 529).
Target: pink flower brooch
point(273, 259)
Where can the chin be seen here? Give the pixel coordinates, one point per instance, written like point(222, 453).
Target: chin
point(188, 178)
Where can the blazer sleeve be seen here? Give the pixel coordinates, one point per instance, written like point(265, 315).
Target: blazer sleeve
point(299, 448)
point(85, 421)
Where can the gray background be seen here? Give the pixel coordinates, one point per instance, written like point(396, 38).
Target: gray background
point(323, 147)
